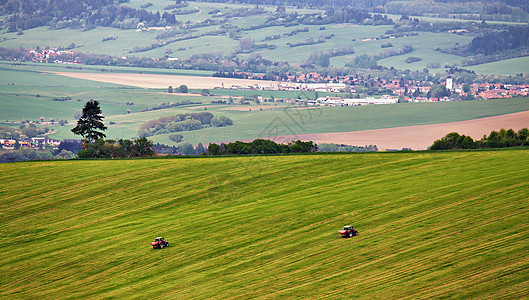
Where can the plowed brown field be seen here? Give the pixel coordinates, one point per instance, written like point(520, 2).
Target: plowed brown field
point(163, 81)
point(415, 137)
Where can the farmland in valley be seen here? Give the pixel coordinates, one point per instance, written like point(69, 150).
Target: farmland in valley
point(28, 92)
point(432, 225)
point(131, 96)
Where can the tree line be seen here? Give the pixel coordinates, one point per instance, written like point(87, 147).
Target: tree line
point(116, 149)
point(182, 122)
point(260, 146)
point(23, 154)
point(329, 147)
point(496, 139)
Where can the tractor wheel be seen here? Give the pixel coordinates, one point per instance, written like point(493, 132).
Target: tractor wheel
point(350, 234)
point(161, 246)
point(167, 244)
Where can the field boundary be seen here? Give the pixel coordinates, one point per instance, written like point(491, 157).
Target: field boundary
point(416, 137)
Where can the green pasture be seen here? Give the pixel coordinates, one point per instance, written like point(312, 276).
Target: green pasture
point(432, 225)
point(206, 44)
point(44, 67)
point(291, 121)
point(423, 45)
point(20, 77)
point(27, 92)
point(345, 35)
point(204, 8)
point(86, 41)
point(455, 19)
point(505, 67)
point(427, 56)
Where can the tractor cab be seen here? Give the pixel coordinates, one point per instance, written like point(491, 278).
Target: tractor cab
point(348, 231)
point(159, 242)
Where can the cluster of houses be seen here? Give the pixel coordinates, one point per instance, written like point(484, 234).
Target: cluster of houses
point(495, 91)
point(339, 102)
point(53, 55)
point(411, 91)
point(36, 142)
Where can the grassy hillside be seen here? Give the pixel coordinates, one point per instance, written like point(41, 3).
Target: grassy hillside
point(343, 35)
point(127, 42)
point(505, 67)
point(432, 225)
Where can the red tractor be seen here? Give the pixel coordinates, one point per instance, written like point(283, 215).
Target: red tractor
point(159, 243)
point(348, 231)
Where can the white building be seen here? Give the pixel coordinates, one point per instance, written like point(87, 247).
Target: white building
point(449, 83)
point(337, 101)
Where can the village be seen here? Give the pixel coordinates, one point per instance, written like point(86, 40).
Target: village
point(397, 91)
point(402, 90)
point(34, 142)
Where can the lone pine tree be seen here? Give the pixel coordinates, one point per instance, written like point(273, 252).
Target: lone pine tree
point(90, 124)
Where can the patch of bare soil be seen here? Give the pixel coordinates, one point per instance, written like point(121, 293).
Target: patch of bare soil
point(250, 108)
point(164, 81)
point(415, 137)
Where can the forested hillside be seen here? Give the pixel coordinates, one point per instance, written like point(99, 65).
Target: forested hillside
point(493, 42)
point(79, 14)
point(417, 6)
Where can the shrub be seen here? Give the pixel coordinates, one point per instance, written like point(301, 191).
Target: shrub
point(221, 121)
point(176, 137)
point(412, 59)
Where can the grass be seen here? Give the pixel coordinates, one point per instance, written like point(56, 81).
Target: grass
point(432, 225)
point(86, 41)
point(505, 67)
point(345, 35)
point(455, 18)
point(279, 122)
point(27, 92)
point(43, 67)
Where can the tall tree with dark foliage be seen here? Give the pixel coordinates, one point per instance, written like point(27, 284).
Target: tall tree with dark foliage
point(90, 123)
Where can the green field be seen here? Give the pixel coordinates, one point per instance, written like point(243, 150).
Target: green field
point(344, 35)
point(27, 92)
point(505, 67)
point(432, 225)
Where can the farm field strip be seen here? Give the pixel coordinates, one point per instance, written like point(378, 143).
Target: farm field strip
point(266, 226)
point(418, 137)
point(163, 81)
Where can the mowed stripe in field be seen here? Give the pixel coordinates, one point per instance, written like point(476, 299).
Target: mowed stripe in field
point(431, 225)
point(418, 137)
point(153, 81)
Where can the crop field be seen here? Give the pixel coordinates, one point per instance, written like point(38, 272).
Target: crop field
point(432, 225)
point(279, 122)
point(512, 66)
point(27, 92)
